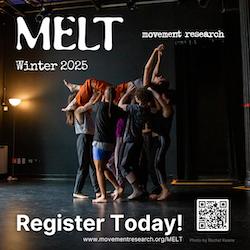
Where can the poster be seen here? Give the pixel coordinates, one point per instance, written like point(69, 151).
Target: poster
point(113, 45)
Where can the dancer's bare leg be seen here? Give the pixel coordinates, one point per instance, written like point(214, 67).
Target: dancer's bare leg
point(153, 196)
point(164, 193)
point(72, 87)
point(118, 190)
point(97, 195)
point(71, 106)
point(101, 181)
point(131, 177)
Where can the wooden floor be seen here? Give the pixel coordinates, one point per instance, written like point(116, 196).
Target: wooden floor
point(44, 199)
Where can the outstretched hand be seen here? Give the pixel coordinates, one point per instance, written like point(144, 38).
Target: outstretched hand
point(160, 47)
point(130, 88)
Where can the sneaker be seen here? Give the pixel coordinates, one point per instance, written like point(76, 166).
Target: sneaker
point(136, 195)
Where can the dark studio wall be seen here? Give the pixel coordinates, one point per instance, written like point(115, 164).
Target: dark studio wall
point(41, 131)
point(1, 82)
point(2, 41)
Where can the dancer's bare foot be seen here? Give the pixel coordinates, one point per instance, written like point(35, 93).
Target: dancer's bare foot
point(118, 193)
point(153, 196)
point(163, 195)
point(72, 87)
point(66, 109)
point(100, 200)
point(80, 196)
point(113, 194)
point(97, 195)
point(71, 106)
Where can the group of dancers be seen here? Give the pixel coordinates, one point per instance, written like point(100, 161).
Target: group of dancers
point(130, 136)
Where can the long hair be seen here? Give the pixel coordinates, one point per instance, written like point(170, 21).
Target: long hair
point(110, 96)
point(70, 113)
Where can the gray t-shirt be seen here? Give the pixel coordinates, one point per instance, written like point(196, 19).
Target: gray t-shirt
point(138, 83)
point(86, 126)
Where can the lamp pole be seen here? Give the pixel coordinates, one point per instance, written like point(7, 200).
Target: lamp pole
point(14, 102)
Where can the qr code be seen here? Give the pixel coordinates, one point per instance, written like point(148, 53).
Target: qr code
point(212, 215)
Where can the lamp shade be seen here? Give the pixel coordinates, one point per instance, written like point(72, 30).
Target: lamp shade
point(14, 101)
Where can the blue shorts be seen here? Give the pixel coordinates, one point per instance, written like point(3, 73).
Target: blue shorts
point(100, 154)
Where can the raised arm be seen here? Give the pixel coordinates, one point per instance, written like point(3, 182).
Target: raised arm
point(149, 65)
point(122, 103)
point(157, 66)
point(96, 96)
point(166, 108)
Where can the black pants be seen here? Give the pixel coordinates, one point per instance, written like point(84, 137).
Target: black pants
point(144, 158)
point(129, 158)
point(85, 163)
point(156, 163)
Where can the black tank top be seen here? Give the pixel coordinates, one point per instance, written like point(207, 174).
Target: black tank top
point(160, 124)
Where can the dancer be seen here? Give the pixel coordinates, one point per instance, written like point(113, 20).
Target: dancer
point(107, 115)
point(112, 163)
point(84, 129)
point(159, 83)
point(161, 124)
point(151, 73)
point(138, 116)
point(152, 77)
point(85, 91)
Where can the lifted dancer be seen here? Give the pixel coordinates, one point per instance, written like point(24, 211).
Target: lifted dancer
point(150, 76)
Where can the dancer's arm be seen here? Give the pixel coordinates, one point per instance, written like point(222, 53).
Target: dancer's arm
point(166, 108)
point(149, 66)
point(94, 99)
point(157, 66)
point(157, 104)
point(122, 103)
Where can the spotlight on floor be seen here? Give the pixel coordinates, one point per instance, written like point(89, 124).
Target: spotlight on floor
point(203, 3)
point(131, 4)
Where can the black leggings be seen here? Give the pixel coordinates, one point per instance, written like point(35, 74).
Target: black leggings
point(156, 163)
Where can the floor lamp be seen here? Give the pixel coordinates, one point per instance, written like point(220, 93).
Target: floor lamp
point(14, 102)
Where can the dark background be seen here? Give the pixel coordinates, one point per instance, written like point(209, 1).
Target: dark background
point(207, 137)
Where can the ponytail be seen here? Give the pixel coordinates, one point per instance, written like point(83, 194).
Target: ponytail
point(110, 96)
